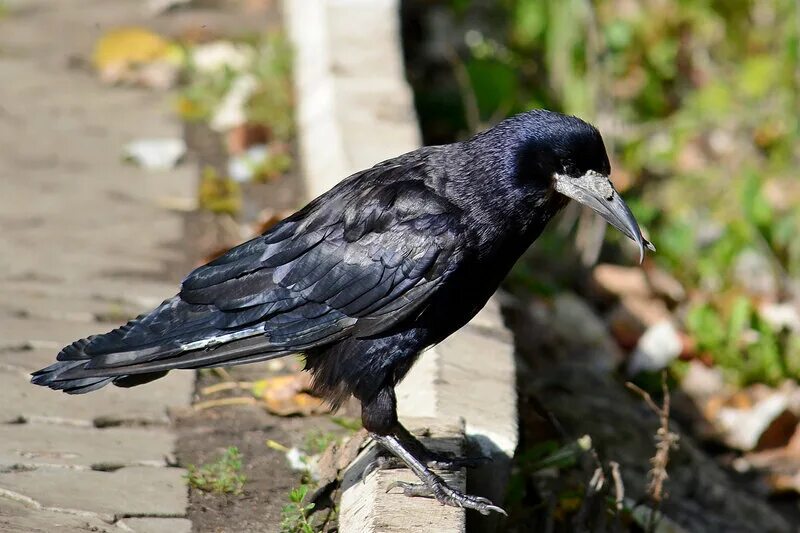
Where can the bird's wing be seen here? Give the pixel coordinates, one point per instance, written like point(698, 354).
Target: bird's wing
point(356, 261)
point(318, 276)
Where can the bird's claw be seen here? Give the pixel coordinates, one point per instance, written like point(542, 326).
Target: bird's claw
point(382, 462)
point(446, 495)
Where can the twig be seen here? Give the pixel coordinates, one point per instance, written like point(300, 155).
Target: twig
point(228, 385)
point(665, 441)
point(201, 406)
point(597, 480)
point(619, 488)
point(222, 373)
point(471, 109)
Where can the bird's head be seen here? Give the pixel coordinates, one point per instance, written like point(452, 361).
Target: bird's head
point(564, 158)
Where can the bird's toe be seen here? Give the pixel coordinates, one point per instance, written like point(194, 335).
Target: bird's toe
point(382, 462)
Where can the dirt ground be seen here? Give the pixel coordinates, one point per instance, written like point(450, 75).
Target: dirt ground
point(204, 435)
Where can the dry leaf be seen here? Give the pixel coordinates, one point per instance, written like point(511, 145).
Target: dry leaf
point(287, 395)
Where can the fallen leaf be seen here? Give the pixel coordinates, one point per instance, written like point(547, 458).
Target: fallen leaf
point(633, 316)
point(767, 423)
point(127, 46)
point(665, 285)
point(155, 153)
point(241, 137)
point(619, 281)
point(138, 56)
point(287, 395)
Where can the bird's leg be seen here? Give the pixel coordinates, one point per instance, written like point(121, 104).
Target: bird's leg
point(431, 459)
point(432, 485)
point(379, 417)
point(435, 459)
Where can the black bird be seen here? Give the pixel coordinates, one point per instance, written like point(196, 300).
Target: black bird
point(389, 262)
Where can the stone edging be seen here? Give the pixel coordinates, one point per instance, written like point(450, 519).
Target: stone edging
point(354, 109)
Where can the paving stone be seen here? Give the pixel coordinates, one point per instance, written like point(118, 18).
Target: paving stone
point(483, 366)
point(157, 525)
point(61, 445)
point(83, 236)
point(76, 308)
point(18, 331)
point(17, 517)
point(354, 109)
point(137, 490)
point(142, 295)
point(108, 406)
point(29, 358)
point(417, 394)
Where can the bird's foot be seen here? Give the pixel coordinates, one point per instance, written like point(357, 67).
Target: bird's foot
point(438, 461)
point(382, 462)
point(437, 488)
point(432, 485)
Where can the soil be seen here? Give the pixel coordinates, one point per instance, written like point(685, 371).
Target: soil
point(204, 435)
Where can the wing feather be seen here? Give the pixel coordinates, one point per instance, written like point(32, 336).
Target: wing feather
point(356, 261)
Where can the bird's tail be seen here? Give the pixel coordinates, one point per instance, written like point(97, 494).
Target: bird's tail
point(53, 375)
point(174, 335)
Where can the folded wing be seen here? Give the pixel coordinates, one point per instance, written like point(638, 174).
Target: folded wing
point(356, 261)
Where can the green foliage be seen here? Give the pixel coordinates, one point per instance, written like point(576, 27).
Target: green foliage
point(551, 454)
point(296, 513)
point(316, 441)
point(222, 477)
point(271, 103)
point(742, 343)
point(277, 163)
point(219, 194)
point(350, 424)
point(704, 100)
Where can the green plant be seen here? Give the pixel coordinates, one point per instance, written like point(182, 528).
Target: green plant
point(272, 103)
point(346, 422)
point(747, 348)
point(698, 103)
point(296, 513)
point(317, 441)
point(219, 194)
point(222, 476)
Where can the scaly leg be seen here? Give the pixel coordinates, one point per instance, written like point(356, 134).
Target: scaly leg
point(379, 417)
point(431, 459)
point(432, 485)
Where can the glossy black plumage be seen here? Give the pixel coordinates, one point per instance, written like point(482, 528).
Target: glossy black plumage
point(387, 263)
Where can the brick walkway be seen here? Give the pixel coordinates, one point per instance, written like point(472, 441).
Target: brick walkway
point(83, 245)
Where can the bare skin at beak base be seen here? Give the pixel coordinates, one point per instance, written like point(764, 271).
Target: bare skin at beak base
point(595, 191)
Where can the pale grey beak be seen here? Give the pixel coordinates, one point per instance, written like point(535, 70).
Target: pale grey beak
point(594, 190)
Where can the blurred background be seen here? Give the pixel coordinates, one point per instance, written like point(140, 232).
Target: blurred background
point(697, 101)
point(680, 373)
point(698, 104)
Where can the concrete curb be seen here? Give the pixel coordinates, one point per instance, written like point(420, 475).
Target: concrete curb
point(354, 110)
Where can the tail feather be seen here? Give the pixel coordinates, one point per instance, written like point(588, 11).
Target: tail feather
point(174, 335)
point(50, 377)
